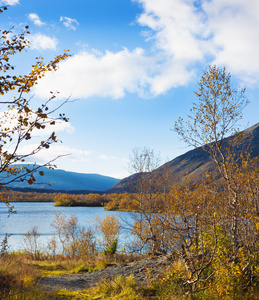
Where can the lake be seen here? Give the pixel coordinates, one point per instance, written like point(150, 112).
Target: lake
point(41, 214)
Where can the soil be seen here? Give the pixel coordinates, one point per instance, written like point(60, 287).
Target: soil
point(143, 271)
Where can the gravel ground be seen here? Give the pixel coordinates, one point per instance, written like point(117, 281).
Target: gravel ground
point(142, 270)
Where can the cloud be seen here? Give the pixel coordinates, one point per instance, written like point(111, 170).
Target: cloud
point(175, 28)
point(42, 42)
point(234, 29)
point(69, 23)
point(113, 74)
point(106, 75)
point(55, 150)
point(176, 32)
point(58, 127)
point(182, 35)
point(9, 2)
point(223, 32)
point(9, 118)
point(111, 158)
point(35, 19)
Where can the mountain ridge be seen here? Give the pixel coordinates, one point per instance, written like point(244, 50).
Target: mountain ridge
point(61, 180)
point(191, 165)
point(186, 167)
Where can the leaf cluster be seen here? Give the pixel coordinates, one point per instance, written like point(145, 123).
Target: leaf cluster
point(19, 120)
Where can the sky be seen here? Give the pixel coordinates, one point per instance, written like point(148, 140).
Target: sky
point(134, 69)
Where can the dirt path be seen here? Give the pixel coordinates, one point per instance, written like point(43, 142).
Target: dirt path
point(141, 270)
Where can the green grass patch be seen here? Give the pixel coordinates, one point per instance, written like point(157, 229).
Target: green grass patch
point(57, 268)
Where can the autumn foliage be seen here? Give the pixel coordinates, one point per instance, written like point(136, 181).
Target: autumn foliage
point(20, 119)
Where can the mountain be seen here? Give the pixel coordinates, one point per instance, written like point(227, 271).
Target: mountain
point(194, 163)
point(68, 181)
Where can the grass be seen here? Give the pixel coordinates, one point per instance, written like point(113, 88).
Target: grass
point(67, 265)
point(61, 267)
point(19, 275)
point(120, 288)
point(18, 279)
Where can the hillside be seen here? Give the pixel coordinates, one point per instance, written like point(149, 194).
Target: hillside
point(68, 181)
point(194, 163)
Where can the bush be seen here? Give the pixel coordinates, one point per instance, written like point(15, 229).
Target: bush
point(112, 248)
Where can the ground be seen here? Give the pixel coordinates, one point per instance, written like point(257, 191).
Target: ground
point(142, 270)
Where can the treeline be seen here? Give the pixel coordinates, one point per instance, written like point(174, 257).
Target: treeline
point(80, 200)
point(121, 202)
point(60, 199)
point(17, 196)
point(114, 201)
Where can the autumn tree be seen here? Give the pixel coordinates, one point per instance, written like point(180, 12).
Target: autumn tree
point(31, 242)
point(149, 192)
point(76, 241)
point(19, 119)
point(213, 118)
point(221, 228)
point(108, 231)
point(192, 234)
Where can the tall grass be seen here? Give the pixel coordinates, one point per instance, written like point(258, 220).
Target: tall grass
point(19, 280)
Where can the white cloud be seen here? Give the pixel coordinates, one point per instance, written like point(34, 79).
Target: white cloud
point(177, 32)
point(182, 35)
point(58, 127)
point(69, 23)
point(111, 158)
point(56, 150)
point(9, 118)
point(42, 42)
point(175, 28)
point(35, 19)
point(223, 32)
point(94, 74)
point(9, 2)
point(234, 27)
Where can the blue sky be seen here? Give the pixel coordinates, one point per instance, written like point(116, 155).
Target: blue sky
point(134, 70)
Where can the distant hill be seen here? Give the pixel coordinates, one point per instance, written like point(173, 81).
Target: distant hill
point(194, 163)
point(68, 181)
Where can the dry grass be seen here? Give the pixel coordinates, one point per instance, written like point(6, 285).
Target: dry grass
point(19, 273)
point(18, 279)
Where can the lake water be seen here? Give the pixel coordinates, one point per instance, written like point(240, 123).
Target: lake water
point(41, 214)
